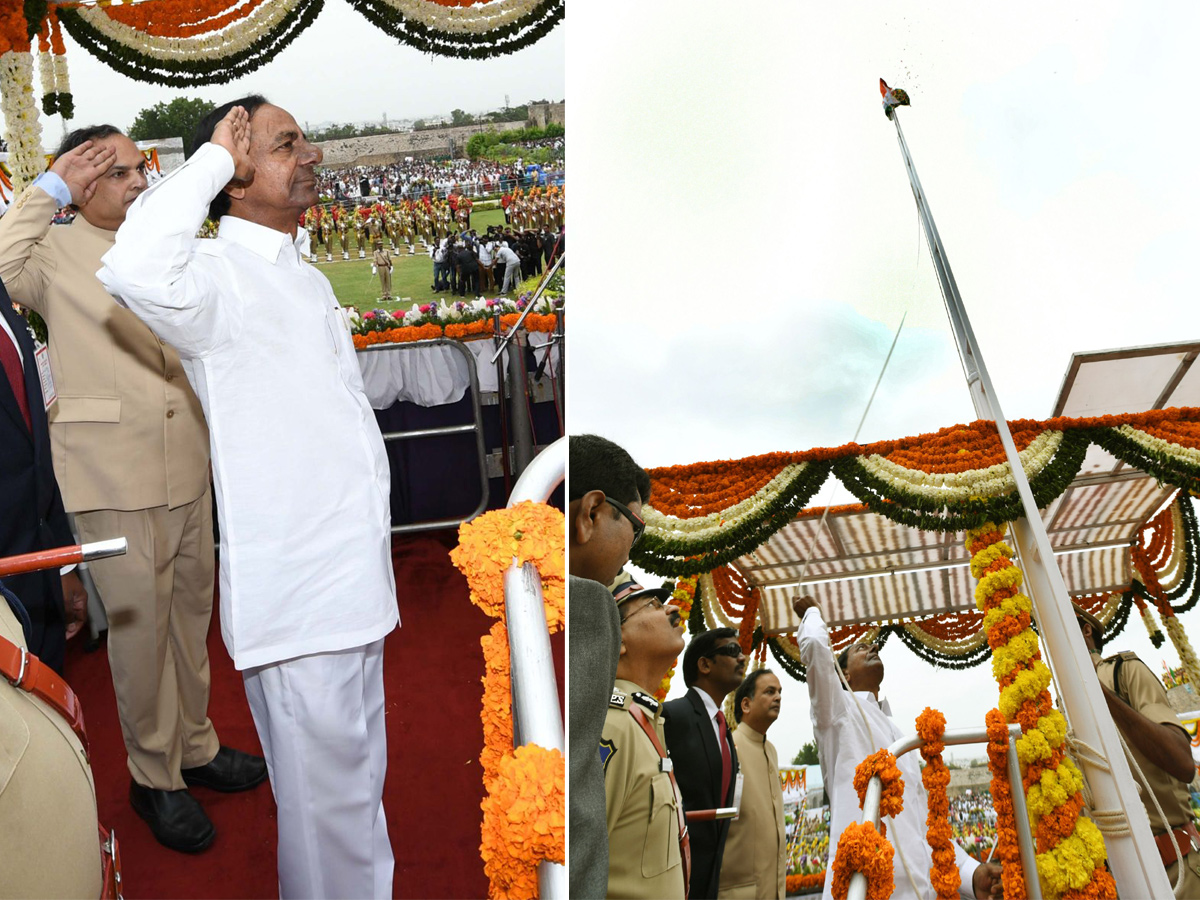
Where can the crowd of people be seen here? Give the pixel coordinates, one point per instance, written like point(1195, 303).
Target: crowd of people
point(808, 842)
point(469, 264)
point(416, 178)
point(427, 221)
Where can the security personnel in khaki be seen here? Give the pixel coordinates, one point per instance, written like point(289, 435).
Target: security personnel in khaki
point(641, 799)
point(47, 796)
point(130, 451)
point(1139, 707)
point(383, 265)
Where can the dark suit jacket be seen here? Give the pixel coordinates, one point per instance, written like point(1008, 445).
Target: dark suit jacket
point(32, 516)
point(697, 762)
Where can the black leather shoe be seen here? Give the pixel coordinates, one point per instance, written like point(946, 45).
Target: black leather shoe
point(176, 818)
point(230, 770)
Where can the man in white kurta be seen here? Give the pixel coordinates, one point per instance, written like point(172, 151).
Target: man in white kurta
point(302, 483)
point(844, 740)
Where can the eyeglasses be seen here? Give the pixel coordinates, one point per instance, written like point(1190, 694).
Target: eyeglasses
point(655, 602)
point(734, 649)
point(638, 523)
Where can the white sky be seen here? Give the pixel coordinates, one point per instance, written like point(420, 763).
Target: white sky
point(745, 240)
point(341, 68)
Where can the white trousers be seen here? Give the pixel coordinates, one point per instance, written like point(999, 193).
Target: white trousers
point(320, 720)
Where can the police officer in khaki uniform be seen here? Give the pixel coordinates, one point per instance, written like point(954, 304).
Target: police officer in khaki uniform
point(644, 811)
point(383, 265)
point(1139, 707)
point(47, 796)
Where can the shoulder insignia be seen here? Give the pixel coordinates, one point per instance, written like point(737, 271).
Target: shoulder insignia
point(646, 700)
point(618, 699)
point(608, 750)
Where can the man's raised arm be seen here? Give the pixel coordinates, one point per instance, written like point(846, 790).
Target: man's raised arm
point(824, 686)
point(149, 267)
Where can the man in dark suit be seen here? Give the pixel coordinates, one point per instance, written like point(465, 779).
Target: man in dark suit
point(701, 746)
point(33, 516)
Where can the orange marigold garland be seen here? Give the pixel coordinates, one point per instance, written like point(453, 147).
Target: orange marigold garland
point(883, 764)
point(683, 597)
point(1070, 848)
point(863, 849)
point(943, 875)
point(1008, 853)
point(524, 819)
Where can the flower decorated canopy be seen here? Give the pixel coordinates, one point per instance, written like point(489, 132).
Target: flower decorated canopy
point(1113, 491)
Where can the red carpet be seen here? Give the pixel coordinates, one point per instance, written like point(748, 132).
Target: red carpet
point(432, 671)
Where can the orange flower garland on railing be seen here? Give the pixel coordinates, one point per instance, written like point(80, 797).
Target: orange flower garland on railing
point(1070, 848)
point(803, 884)
point(863, 849)
point(944, 874)
point(883, 764)
point(524, 818)
point(1008, 853)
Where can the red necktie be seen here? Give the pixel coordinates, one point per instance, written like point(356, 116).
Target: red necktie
point(726, 759)
point(16, 375)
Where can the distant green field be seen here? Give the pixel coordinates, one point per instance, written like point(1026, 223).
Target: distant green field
point(354, 285)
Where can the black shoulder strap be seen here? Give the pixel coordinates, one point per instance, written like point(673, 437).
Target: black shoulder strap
point(1117, 678)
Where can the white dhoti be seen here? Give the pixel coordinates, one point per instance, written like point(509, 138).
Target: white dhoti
point(321, 722)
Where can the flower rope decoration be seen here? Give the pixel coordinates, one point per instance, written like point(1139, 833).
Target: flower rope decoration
point(883, 764)
point(944, 874)
point(1070, 849)
point(1008, 852)
point(707, 514)
point(468, 29)
point(682, 596)
point(524, 818)
point(861, 848)
point(22, 127)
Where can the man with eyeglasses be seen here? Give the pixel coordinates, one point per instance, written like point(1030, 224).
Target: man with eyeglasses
point(606, 490)
point(648, 851)
point(701, 744)
point(850, 725)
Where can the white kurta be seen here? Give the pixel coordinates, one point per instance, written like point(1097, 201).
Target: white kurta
point(843, 742)
point(302, 480)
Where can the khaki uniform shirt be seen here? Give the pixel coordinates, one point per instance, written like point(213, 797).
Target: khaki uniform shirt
point(127, 431)
point(383, 259)
point(51, 847)
point(755, 864)
point(1145, 693)
point(643, 828)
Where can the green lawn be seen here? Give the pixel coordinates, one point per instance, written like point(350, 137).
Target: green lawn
point(354, 285)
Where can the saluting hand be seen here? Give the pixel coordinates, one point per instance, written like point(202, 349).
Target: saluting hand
point(81, 167)
point(233, 133)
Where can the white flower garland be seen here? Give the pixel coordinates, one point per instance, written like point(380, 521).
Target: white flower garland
point(708, 593)
point(1158, 445)
point(947, 648)
point(22, 125)
point(1187, 655)
point(46, 71)
point(476, 19)
point(61, 78)
point(235, 38)
point(957, 486)
point(705, 526)
point(1176, 566)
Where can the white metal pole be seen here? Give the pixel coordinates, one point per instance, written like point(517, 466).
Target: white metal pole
point(1134, 857)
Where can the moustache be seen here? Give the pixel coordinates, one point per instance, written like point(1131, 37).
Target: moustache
point(675, 618)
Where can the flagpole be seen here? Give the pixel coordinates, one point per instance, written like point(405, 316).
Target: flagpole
point(1134, 856)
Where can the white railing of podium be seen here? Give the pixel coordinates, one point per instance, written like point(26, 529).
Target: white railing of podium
point(537, 716)
point(858, 881)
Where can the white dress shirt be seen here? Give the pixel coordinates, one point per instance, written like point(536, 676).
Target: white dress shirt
point(843, 743)
point(301, 477)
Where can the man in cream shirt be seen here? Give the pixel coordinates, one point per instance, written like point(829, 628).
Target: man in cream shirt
point(755, 859)
point(302, 482)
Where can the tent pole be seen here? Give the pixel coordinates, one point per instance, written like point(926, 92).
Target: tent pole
point(1134, 856)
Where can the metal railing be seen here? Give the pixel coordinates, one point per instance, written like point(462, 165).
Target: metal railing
point(476, 427)
point(858, 881)
point(537, 717)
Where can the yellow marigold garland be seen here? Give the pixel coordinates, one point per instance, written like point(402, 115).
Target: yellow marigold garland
point(1070, 849)
point(944, 874)
point(683, 597)
point(524, 819)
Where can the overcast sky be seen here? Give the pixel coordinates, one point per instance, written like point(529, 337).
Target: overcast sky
point(745, 239)
point(342, 68)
